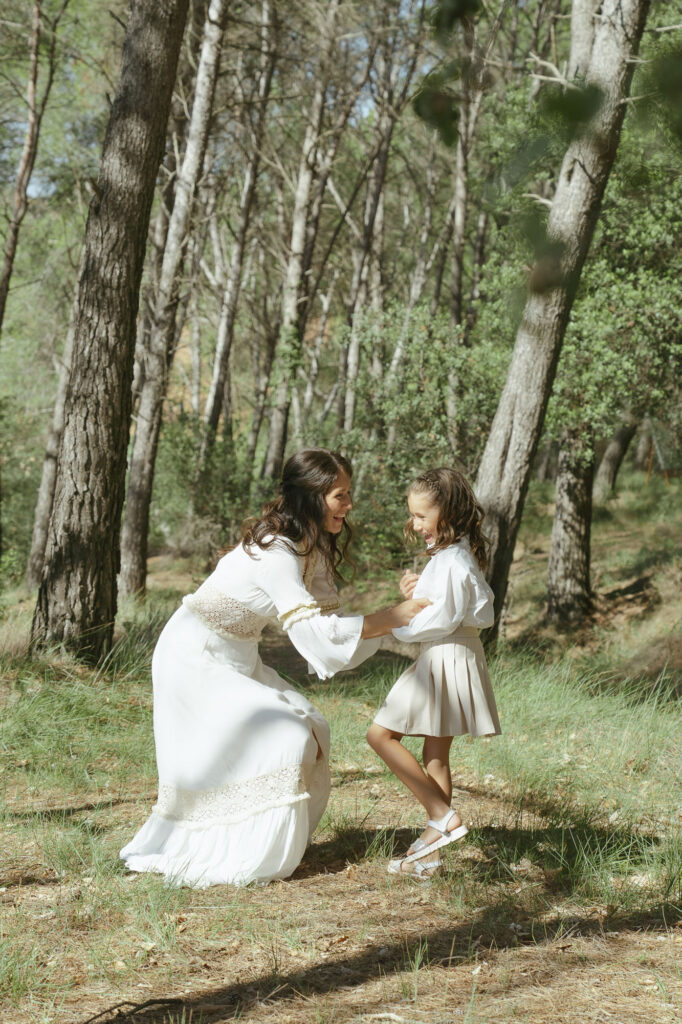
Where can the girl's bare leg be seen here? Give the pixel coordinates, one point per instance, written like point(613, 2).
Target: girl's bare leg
point(436, 759)
point(436, 756)
point(405, 766)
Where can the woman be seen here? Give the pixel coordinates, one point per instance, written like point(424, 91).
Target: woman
point(243, 757)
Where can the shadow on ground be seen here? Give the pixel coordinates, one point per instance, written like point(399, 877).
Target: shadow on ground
point(446, 946)
point(502, 924)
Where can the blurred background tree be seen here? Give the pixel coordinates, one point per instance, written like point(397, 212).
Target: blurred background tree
point(367, 225)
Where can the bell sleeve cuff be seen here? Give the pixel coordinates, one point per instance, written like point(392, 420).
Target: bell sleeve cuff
point(329, 643)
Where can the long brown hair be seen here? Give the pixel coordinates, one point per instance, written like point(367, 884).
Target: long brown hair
point(459, 514)
point(297, 513)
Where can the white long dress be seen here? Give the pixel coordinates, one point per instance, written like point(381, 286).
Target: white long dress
point(242, 757)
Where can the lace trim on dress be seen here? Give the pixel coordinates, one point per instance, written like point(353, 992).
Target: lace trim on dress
point(307, 610)
point(328, 606)
point(230, 804)
point(225, 615)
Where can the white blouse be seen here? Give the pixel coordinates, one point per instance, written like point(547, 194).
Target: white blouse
point(460, 596)
point(250, 588)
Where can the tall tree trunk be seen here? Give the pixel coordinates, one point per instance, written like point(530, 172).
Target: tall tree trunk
point(546, 468)
point(163, 333)
point(469, 110)
point(583, 23)
point(476, 272)
point(291, 330)
point(643, 445)
point(48, 477)
point(36, 109)
point(314, 369)
point(391, 102)
point(44, 502)
point(569, 594)
point(77, 597)
point(612, 459)
point(361, 279)
point(228, 311)
point(507, 460)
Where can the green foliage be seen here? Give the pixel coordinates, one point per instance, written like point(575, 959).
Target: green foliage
point(20, 466)
point(192, 513)
point(623, 347)
point(567, 113)
point(445, 15)
point(443, 394)
point(436, 104)
point(663, 90)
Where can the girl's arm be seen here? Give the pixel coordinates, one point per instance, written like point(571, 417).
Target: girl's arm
point(449, 586)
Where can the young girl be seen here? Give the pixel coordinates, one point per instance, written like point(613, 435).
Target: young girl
point(447, 691)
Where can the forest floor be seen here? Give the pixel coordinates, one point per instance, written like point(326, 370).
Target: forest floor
point(561, 906)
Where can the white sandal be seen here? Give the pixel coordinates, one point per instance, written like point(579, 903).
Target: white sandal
point(446, 837)
point(418, 870)
point(394, 865)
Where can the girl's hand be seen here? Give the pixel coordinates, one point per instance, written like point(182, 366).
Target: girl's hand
point(406, 610)
point(408, 581)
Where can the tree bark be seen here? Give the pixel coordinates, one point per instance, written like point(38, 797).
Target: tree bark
point(507, 460)
point(583, 22)
point(643, 445)
point(159, 354)
point(546, 468)
point(48, 479)
point(612, 459)
point(361, 276)
point(77, 597)
point(314, 369)
point(478, 260)
point(569, 594)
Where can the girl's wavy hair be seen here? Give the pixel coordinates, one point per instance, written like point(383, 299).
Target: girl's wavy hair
point(297, 513)
point(459, 514)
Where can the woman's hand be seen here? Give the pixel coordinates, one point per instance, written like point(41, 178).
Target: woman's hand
point(408, 581)
point(380, 623)
point(406, 610)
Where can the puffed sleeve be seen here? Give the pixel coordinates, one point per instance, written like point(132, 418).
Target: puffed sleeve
point(450, 590)
point(329, 643)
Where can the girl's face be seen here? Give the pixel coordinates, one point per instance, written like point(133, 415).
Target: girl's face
point(338, 503)
point(424, 516)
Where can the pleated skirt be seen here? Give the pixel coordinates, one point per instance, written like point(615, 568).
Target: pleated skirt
point(446, 692)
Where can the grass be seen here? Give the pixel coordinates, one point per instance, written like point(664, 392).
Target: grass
point(569, 883)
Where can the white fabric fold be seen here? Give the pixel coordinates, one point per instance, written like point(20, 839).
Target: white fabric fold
point(329, 643)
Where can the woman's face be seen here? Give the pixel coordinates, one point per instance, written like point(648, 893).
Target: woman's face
point(424, 517)
point(338, 503)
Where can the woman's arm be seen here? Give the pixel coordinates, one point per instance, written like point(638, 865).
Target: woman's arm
point(381, 623)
